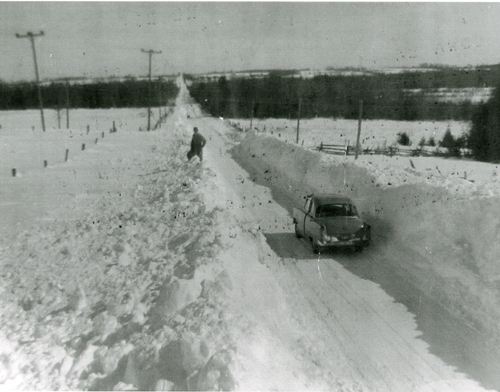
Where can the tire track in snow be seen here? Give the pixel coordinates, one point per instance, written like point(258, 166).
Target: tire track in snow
point(316, 300)
point(348, 293)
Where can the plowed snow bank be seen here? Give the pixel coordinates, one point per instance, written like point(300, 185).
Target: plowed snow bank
point(450, 222)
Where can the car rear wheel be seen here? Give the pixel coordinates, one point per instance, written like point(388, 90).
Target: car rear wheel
point(315, 248)
point(358, 248)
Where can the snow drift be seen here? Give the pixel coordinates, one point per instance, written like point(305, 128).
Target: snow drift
point(450, 223)
point(144, 288)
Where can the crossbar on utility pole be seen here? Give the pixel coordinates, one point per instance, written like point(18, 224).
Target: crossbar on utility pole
point(31, 36)
point(150, 52)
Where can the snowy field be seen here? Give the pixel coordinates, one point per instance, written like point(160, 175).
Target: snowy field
point(374, 133)
point(39, 158)
point(128, 268)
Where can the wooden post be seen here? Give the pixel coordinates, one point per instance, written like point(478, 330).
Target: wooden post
point(59, 116)
point(88, 129)
point(83, 146)
point(359, 127)
point(66, 156)
point(45, 163)
point(103, 135)
point(114, 128)
point(96, 139)
point(14, 172)
point(298, 121)
point(251, 114)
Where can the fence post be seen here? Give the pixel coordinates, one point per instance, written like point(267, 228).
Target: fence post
point(83, 146)
point(66, 156)
point(58, 116)
point(45, 163)
point(14, 172)
point(88, 129)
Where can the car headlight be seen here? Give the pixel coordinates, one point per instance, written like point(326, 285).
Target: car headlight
point(324, 235)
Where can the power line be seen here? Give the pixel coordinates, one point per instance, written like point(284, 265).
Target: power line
point(31, 36)
point(150, 52)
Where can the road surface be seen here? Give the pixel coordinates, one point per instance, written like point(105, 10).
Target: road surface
point(363, 320)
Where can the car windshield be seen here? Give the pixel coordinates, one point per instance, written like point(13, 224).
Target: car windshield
point(329, 210)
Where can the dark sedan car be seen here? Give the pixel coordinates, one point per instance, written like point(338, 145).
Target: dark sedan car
point(331, 221)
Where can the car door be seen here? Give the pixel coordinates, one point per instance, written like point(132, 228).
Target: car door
point(311, 228)
point(302, 217)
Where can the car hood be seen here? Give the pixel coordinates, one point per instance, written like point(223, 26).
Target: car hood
point(342, 224)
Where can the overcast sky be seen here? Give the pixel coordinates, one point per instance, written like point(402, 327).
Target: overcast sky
point(106, 38)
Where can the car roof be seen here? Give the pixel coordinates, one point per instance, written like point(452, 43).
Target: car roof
point(322, 199)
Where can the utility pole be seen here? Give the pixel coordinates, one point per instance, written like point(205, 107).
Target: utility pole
point(150, 52)
point(31, 36)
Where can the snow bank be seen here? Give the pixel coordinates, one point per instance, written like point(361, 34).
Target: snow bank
point(128, 294)
point(451, 223)
point(145, 290)
point(126, 297)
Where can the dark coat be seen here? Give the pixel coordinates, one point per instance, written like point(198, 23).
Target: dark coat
point(197, 143)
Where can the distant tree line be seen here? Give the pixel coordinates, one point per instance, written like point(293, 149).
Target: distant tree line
point(98, 95)
point(484, 135)
point(384, 96)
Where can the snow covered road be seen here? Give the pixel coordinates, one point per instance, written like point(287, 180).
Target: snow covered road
point(353, 329)
point(180, 275)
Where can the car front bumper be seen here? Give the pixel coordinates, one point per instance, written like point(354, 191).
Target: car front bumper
point(335, 243)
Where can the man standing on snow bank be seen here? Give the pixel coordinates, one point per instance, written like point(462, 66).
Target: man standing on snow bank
point(197, 144)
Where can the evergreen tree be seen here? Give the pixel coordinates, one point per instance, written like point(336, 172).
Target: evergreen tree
point(403, 139)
